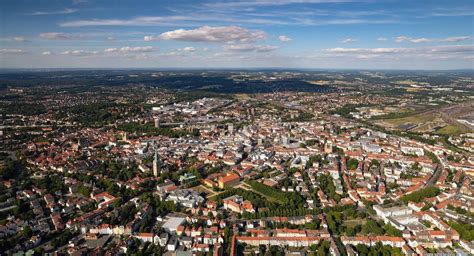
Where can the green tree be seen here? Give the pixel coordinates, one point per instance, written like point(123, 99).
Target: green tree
point(372, 227)
point(27, 232)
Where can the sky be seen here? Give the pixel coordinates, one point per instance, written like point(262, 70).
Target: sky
point(313, 34)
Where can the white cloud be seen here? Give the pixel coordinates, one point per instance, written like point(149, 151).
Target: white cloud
point(65, 11)
point(232, 17)
point(435, 52)
point(173, 54)
point(79, 1)
point(453, 49)
point(150, 38)
point(401, 39)
point(420, 40)
point(12, 51)
point(455, 39)
point(348, 40)
point(250, 48)
point(284, 38)
point(139, 21)
point(20, 39)
point(382, 39)
point(80, 53)
point(58, 36)
point(365, 50)
point(128, 49)
point(189, 49)
point(255, 3)
point(46, 53)
point(213, 34)
point(447, 12)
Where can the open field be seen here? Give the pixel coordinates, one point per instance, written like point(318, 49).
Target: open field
point(352, 223)
point(249, 188)
point(413, 119)
point(203, 189)
point(441, 121)
point(452, 130)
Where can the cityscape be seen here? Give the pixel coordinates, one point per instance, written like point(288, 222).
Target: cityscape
point(205, 137)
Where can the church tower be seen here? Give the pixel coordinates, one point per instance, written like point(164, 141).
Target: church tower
point(155, 165)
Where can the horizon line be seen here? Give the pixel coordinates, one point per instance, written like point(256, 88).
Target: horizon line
point(225, 69)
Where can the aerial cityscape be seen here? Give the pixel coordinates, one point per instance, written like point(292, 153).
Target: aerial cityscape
point(284, 127)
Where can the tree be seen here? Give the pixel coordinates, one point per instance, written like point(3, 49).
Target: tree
point(375, 163)
point(85, 191)
point(362, 249)
point(372, 227)
point(275, 251)
point(324, 248)
point(466, 231)
point(117, 203)
point(421, 194)
point(350, 231)
point(352, 164)
point(416, 166)
point(392, 231)
point(27, 232)
point(327, 185)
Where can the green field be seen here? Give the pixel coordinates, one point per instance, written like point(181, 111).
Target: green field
point(430, 123)
point(452, 130)
point(415, 119)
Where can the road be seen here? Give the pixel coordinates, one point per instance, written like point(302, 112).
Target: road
point(8, 208)
point(434, 177)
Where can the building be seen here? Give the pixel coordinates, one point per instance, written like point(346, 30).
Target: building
point(145, 237)
point(279, 241)
point(328, 147)
point(229, 180)
point(412, 151)
point(104, 199)
point(237, 204)
point(392, 212)
point(172, 224)
point(157, 122)
point(172, 244)
point(155, 165)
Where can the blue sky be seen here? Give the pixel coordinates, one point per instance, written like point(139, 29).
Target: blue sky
point(370, 34)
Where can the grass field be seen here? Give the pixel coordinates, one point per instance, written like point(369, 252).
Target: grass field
point(202, 189)
point(270, 194)
point(415, 119)
point(431, 123)
point(242, 96)
point(452, 130)
point(352, 223)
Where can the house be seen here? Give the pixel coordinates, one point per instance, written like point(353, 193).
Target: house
point(468, 246)
point(104, 199)
point(145, 237)
point(186, 241)
point(163, 240)
point(372, 240)
point(236, 203)
point(230, 180)
point(172, 244)
point(172, 224)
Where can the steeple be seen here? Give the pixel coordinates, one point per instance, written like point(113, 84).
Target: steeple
point(155, 165)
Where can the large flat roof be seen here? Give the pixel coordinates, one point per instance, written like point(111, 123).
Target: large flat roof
point(173, 222)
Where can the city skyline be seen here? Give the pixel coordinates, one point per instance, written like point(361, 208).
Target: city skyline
point(314, 34)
